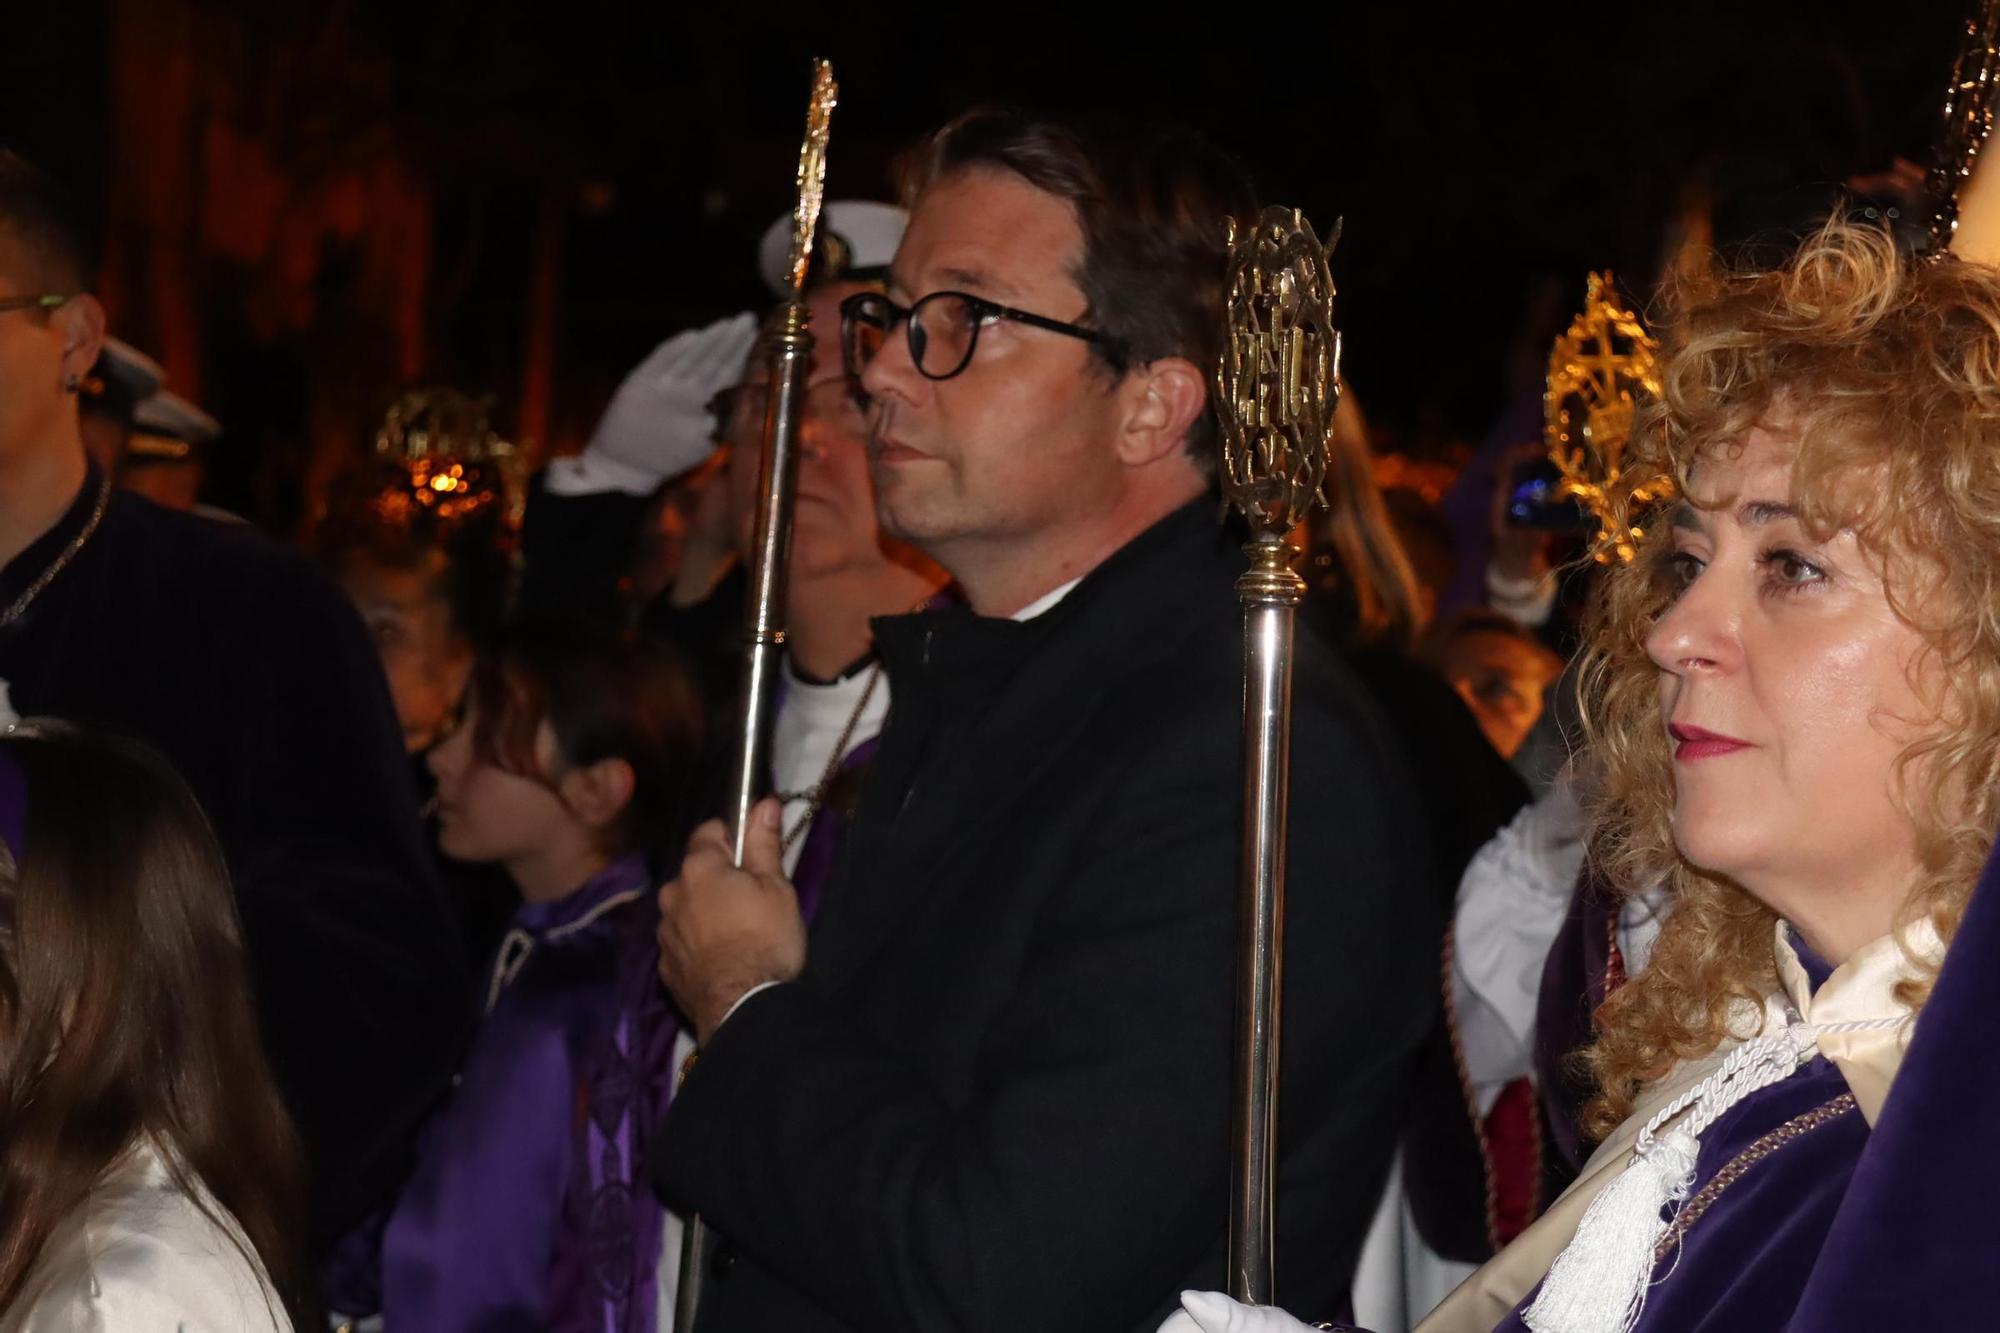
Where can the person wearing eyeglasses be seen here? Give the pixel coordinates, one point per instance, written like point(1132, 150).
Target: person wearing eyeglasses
point(989, 1088)
point(247, 669)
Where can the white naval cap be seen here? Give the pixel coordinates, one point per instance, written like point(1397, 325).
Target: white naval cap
point(856, 238)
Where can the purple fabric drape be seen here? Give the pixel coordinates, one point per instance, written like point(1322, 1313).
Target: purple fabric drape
point(528, 1207)
point(1914, 1244)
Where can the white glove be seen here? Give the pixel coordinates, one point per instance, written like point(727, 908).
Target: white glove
point(658, 425)
point(1213, 1312)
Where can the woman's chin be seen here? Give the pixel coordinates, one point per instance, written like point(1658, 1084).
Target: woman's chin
point(1719, 845)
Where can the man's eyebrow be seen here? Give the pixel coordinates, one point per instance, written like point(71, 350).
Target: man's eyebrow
point(977, 281)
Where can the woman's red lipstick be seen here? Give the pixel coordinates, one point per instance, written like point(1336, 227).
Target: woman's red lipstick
point(1691, 743)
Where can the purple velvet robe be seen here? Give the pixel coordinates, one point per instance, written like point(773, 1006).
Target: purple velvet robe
point(528, 1208)
point(1913, 1244)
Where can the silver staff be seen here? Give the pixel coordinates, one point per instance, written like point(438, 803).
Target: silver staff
point(1276, 390)
point(791, 346)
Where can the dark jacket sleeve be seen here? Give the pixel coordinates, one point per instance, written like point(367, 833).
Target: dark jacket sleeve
point(1087, 1178)
point(362, 992)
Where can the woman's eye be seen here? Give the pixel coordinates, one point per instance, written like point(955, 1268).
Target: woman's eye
point(1791, 569)
point(1679, 570)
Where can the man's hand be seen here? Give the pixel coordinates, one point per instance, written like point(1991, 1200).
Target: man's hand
point(723, 930)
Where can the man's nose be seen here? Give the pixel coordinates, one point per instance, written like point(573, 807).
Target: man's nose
point(891, 372)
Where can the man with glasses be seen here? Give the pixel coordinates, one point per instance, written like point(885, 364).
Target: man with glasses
point(249, 671)
point(990, 1090)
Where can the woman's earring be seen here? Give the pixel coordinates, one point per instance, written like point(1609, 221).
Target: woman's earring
point(72, 383)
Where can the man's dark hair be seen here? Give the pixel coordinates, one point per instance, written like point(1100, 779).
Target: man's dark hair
point(1153, 205)
point(44, 220)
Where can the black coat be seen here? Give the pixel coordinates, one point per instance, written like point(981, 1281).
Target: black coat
point(998, 1097)
point(251, 673)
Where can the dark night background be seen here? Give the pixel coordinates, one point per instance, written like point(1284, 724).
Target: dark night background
point(308, 206)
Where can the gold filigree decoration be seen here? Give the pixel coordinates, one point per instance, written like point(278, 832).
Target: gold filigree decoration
point(1599, 370)
point(1966, 122)
point(453, 461)
point(812, 171)
point(1278, 382)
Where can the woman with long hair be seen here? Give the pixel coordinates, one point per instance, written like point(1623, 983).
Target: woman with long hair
point(150, 1178)
point(1793, 701)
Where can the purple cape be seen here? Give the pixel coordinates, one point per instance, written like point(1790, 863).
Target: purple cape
point(528, 1206)
point(1916, 1242)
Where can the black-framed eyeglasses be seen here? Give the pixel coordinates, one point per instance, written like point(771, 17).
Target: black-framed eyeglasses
point(9, 304)
point(942, 328)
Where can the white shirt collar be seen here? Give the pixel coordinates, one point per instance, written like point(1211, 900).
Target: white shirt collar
point(1045, 601)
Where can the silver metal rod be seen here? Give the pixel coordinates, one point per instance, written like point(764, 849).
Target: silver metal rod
point(763, 647)
point(1270, 591)
point(764, 607)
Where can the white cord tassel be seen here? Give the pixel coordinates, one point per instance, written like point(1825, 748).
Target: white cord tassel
point(1598, 1283)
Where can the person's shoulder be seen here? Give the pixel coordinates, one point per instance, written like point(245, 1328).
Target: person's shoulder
point(219, 561)
point(150, 1256)
point(226, 543)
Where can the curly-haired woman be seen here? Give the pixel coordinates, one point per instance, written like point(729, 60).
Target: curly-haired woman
point(1795, 718)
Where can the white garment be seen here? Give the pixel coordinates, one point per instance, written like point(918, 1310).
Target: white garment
point(141, 1256)
point(1528, 602)
point(1398, 1278)
point(810, 720)
point(1511, 904)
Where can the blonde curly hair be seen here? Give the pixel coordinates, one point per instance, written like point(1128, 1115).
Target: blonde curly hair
point(1885, 370)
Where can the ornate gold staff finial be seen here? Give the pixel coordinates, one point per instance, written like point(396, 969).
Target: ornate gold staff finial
point(1598, 371)
point(1276, 388)
point(1963, 130)
point(1278, 383)
point(812, 172)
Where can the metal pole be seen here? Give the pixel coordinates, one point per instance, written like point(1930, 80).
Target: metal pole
point(763, 648)
point(791, 348)
point(1275, 390)
point(1270, 591)
point(764, 607)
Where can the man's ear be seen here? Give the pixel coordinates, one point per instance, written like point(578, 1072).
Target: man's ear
point(598, 793)
point(1163, 399)
point(80, 321)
